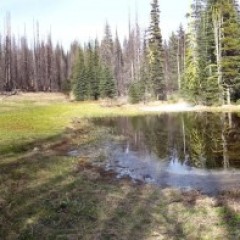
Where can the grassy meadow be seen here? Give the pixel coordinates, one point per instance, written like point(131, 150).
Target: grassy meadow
point(47, 194)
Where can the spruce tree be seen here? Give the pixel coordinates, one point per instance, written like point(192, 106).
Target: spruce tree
point(107, 83)
point(79, 77)
point(134, 92)
point(223, 18)
point(230, 63)
point(211, 89)
point(192, 75)
point(173, 63)
point(90, 71)
point(158, 85)
point(181, 54)
point(145, 84)
point(96, 71)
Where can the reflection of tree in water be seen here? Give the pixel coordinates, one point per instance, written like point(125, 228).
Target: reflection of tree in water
point(202, 137)
point(231, 140)
point(213, 140)
point(203, 140)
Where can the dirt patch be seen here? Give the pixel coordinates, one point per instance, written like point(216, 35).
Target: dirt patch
point(92, 171)
point(177, 107)
point(35, 97)
point(185, 107)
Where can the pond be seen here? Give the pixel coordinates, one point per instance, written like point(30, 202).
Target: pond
point(185, 150)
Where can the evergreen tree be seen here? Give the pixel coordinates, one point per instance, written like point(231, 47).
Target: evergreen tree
point(172, 82)
point(90, 68)
point(79, 77)
point(211, 87)
point(158, 85)
point(134, 92)
point(107, 83)
point(145, 84)
point(181, 55)
point(212, 73)
point(192, 75)
point(230, 62)
point(97, 68)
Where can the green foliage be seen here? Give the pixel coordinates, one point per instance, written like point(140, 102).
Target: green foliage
point(80, 89)
point(91, 79)
point(173, 66)
point(107, 84)
point(212, 72)
point(158, 86)
point(230, 63)
point(79, 78)
point(134, 93)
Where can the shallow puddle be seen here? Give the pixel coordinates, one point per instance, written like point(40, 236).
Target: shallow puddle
point(189, 150)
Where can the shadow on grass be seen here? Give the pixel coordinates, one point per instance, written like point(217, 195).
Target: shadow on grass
point(229, 204)
point(17, 147)
point(45, 196)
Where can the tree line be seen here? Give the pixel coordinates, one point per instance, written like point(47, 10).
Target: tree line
point(201, 65)
point(144, 67)
point(35, 66)
point(139, 66)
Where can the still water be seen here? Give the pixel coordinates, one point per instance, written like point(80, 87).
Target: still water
point(187, 150)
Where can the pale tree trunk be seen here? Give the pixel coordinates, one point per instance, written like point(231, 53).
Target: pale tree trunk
point(217, 22)
point(226, 163)
point(184, 137)
point(228, 95)
point(178, 65)
point(8, 47)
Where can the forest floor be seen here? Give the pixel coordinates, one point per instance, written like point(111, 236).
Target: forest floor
point(47, 194)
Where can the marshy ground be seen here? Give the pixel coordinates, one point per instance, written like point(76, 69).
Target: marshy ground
point(47, 194)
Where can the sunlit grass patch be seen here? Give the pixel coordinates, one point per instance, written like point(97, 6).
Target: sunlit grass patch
point(25, 122)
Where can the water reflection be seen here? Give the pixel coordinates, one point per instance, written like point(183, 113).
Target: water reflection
point(177, 149)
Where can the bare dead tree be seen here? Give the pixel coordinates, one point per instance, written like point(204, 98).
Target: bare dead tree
point(8, 78)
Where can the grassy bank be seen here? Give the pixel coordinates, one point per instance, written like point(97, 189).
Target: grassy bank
point(46, 194)
point(24, 121)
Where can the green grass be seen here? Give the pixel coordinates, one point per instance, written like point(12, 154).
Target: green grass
point(46, 194)
point(25, 122)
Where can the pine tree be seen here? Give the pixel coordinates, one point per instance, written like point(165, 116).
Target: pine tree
point(230, 62)
point(90, 68)
point(223, 51)
point(80, 85)
point(107, 83)
point(211, 86)
point(145, 84)
point(158, 85)
point(191, 86)
point(96, 70)
point(181, 54)
point(173, 63)
point(134, 93)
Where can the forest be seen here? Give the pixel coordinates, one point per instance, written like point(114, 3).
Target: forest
point(200, 64)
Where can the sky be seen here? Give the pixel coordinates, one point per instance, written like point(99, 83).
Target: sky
point(85, 19)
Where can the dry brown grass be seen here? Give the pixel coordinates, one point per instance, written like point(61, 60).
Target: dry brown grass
point(32, 96)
